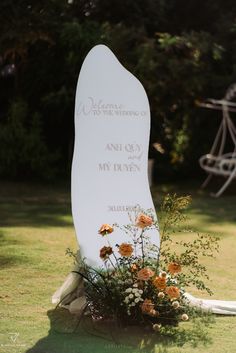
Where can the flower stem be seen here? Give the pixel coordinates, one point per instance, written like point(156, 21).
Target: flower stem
point(142, 246)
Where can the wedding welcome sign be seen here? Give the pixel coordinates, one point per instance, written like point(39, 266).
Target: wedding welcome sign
point(110, 185)
point(109, 169)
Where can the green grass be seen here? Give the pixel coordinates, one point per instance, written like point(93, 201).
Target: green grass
point(35, 230)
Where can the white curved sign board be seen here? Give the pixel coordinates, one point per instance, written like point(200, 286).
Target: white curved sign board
point(109, 169)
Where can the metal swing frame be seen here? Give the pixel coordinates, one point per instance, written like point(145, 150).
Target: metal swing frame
point(217, 162)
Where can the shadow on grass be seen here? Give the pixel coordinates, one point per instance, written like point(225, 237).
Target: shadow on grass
point(208, 209)
point(215, 210)
point(7, 260)
point(36, 215)
point(6, 241)
point(66, 336)
point(41, 206)
point(34, 205)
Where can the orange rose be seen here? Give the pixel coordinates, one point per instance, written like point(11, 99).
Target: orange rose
point(174, 267)
point(143, 221)
point(125, 249)
point(145, 274)
point(147, 306)
point(105, 229)
point(160, 283)
point(173, 292)
point(105, 252)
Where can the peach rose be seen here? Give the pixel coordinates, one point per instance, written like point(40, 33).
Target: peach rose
point(105, 229)
point(147, 306)
point(143, 221)
point(159, 282)
point(174, 267)
point(173, 292)
point(105, 252)
point(125, 249)
point(145, 274)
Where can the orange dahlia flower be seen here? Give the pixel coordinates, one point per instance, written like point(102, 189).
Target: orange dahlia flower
point(174, 267)
point(143, 221)
point(105, 229)
point(173, 292)
point(145, 274)
point(125, 249)
point(147, 306)
point(159, 282)
point(105, 252)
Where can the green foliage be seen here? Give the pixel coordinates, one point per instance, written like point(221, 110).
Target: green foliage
point(173, 85)
point(23, 151)
point(178, 56)
point(189, 253)
point(142, 283)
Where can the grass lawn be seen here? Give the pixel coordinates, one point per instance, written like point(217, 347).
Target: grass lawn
point(35, 230)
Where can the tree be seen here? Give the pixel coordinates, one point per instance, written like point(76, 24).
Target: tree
point(181, 51)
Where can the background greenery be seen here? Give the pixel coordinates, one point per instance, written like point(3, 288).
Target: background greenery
point(180, 50)
point(36, 228)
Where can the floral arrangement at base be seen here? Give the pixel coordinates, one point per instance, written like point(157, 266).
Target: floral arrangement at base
point(141, 283)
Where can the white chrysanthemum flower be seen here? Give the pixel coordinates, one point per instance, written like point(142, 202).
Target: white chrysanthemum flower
point(131, 296)
point(184, 317)
point(175, 304)
point(128, 290)
point(137, 300)
point(156, 327)
point(174, 281)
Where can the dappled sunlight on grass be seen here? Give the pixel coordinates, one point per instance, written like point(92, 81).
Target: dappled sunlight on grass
point(36, 229)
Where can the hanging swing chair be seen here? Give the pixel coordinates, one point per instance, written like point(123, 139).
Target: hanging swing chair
point(218, 162)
